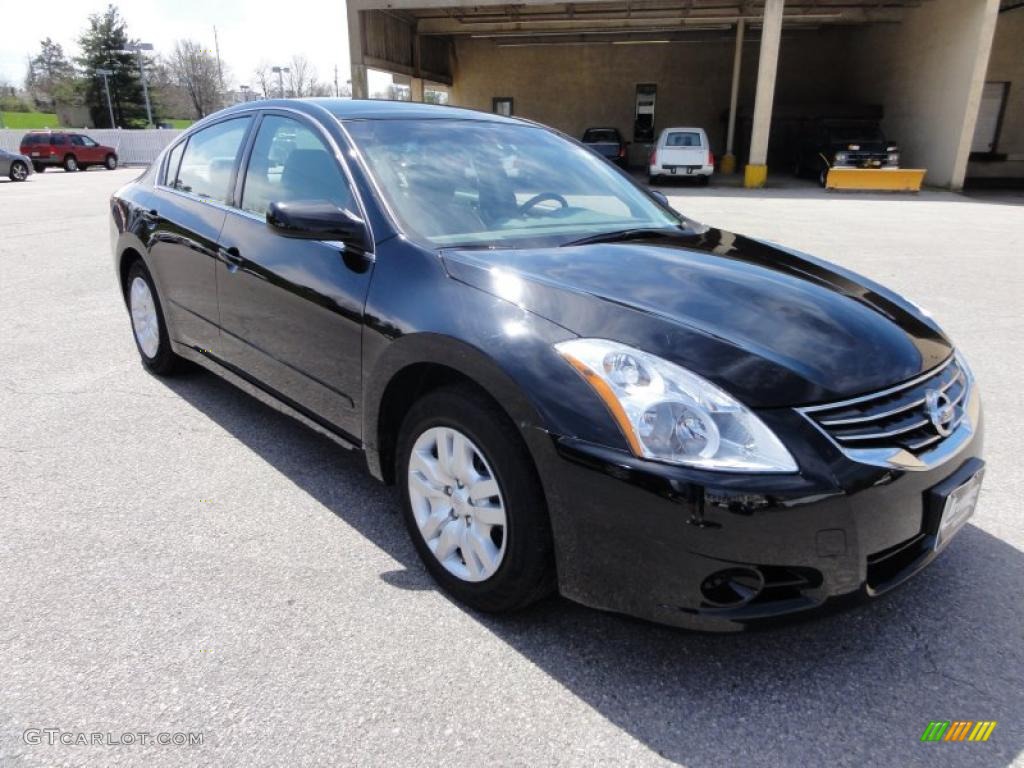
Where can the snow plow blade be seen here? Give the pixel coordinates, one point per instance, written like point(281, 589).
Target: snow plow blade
point(888, 179)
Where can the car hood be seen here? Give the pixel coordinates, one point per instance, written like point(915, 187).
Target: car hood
point(771, 326)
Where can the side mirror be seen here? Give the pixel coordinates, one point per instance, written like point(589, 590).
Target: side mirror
point(317, 220)
point(659, 196)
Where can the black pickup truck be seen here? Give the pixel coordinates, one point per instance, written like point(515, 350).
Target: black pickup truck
point(844, 143)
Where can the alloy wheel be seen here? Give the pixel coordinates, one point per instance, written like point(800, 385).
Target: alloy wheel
point(19, 172)
point(145, 321)
point(457, 504)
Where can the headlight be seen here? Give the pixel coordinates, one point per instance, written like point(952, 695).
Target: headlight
point(841, 157)
point(894, 158)
point(669, 414)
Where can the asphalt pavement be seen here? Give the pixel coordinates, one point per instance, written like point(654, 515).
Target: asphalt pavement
point(177, 558)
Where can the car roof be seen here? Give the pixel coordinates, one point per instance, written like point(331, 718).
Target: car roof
point(370, 109)
point(682, 128)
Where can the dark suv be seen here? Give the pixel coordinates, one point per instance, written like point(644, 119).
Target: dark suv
point(70, 151)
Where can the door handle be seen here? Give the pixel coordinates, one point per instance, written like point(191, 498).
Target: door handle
point(231, 256)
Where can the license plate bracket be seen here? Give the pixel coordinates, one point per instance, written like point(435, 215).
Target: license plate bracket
point(951, 503)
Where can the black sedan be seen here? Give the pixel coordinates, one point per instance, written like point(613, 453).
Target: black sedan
point(574, 386)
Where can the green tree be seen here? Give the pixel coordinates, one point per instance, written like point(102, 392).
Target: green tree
point(107, 34)
point(51, 76)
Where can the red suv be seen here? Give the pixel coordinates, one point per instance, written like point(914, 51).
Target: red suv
point(71, 151)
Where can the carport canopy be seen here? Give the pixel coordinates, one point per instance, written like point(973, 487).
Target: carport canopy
point(420, 39)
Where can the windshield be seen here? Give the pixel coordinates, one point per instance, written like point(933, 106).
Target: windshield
point(477, 183)
point(845, 134)
point(594, 135)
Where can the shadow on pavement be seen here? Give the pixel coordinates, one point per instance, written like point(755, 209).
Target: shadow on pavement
point(841, 689)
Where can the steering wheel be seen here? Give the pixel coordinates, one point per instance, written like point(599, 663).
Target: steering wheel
point(529, 205)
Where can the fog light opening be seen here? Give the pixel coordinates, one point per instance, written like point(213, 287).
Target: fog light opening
point(732, 587)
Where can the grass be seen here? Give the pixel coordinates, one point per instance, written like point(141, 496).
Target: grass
point(179, 123)
point(29, 120)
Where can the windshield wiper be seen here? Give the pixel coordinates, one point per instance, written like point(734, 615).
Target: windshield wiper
point(621, 235)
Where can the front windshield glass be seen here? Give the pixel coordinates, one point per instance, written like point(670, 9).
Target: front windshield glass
point(853, 133)
point(476, 183)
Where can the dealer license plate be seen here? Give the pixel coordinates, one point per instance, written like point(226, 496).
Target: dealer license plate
point(958, 508)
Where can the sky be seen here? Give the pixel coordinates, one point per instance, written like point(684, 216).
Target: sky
point(249, 32)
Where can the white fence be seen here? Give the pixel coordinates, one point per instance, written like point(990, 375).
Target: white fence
point(132, 147)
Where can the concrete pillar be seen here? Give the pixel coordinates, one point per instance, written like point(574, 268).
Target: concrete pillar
point(767, 65)
point(729, 159)
point(416, 89)
point(360, 85)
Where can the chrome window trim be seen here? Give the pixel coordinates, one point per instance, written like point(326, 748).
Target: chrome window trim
point(898, 458)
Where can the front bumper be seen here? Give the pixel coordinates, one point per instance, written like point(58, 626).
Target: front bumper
point(643, 538)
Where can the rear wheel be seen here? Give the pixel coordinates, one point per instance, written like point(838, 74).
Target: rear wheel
point(823, 176)
point(19, 171)
point(70, 164)
point(705, 180)
point(39, 167)
point(148, 324)
point(472, 501)
point(110, 162)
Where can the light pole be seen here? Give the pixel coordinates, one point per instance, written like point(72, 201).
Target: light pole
point(280, 79)
point(137, 49)
point(104, 73)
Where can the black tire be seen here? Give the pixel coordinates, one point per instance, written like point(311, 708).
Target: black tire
point(18, 171)
point(527, 572)
point(164, 362)
point(823, 177)
point(651, 180)
point(110, 163)
point(705, 180)
point(40, 168)
point(70, 163)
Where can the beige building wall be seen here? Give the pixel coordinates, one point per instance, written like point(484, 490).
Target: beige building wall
point(575, 87)
point(928, 73)
point(1006, 65)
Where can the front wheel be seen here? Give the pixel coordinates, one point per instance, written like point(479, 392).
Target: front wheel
point(472, 501)
point(148, 324)
point(110, 163)
point(19, 171)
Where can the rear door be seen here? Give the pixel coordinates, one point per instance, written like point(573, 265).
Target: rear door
point(186, 214)
point(683, 150)
point(291, 309)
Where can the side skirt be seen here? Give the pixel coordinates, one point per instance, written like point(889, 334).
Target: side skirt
point(261, 394)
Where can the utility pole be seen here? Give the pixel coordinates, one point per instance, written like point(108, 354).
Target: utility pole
point(220, 70)
point(104, 73)
point(337, 93)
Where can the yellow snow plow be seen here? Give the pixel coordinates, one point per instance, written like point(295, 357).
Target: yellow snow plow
point(886, 179)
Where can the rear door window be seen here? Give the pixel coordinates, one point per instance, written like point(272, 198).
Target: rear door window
point(683, 139)
point(209, 160)
point(59, 140)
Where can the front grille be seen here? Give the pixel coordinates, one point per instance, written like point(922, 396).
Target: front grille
point(914, 416)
